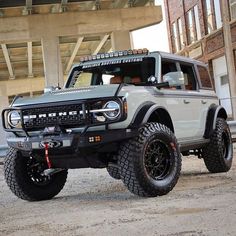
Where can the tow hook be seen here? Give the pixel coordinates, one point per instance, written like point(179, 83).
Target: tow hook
point(50, 171)
point(47, 156)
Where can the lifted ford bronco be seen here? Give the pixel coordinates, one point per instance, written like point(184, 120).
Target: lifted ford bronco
point(132, 112)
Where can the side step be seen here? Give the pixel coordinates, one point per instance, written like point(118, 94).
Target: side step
point(192, 144)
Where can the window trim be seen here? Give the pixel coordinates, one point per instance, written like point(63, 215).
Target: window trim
point(199, 79)
point(194, 72)
point(231, 4)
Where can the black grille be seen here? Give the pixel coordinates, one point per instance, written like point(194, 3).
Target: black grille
point(66, 115)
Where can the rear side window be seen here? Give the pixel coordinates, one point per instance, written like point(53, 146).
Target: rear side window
point(204, 77)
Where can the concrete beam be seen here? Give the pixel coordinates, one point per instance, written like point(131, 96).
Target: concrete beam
point(20, 86)
point(101, 44)
point(30, 59)
point(52, 61)
point(8, 61)
point(73, 55)
point(34, 27)
point(121, 40)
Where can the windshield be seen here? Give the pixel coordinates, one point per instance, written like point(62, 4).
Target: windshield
point(112, 72)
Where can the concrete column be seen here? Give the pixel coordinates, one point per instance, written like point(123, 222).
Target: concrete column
point(52, 61)
point(121, 40)
point(229, 54)
point(3, 104)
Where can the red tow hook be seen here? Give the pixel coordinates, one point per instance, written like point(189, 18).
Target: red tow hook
point(47, 156)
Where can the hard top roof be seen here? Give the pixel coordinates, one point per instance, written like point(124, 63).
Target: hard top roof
point(172, 56)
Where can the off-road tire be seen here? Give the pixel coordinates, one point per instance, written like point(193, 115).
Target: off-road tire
point(20, 183)
point(133, 155)
point(114, 171)
point(218, 154)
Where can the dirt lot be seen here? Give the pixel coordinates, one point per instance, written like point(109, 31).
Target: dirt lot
point(92, 203)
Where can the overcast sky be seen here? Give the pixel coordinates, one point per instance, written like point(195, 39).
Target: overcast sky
point(154, 37)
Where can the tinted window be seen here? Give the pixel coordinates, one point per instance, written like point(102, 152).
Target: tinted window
point(167, 66)
point(189, 77)
point(204, 77)
point(130, 71)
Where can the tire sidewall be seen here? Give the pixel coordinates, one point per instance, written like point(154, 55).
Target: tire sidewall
point(224, 129)
point(170, 142)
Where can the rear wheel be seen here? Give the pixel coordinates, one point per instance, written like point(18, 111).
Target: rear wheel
point(218, 155)
point(24, 176)
point(150, 164)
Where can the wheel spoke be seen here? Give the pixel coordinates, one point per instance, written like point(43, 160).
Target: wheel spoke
point(157, 160)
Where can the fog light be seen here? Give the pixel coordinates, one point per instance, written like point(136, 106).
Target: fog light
point(95, 139)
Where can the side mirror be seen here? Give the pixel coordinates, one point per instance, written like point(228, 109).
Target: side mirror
point(152, 79)
point(49, 89)
point(174, 78)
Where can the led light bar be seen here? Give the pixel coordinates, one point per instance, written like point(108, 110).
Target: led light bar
point(114, 54)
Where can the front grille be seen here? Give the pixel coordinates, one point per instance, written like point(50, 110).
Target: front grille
point(66, 115)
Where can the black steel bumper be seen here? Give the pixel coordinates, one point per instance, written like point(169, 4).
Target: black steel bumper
point(70, 141)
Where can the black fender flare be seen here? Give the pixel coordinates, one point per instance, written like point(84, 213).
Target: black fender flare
point(214, 112)
point(147, 110)
point(140, 114)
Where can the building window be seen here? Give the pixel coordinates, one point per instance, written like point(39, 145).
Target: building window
point(209, 17)
point(224, 80)
point(194, 30)
point(218, 17)
point(175, 37)
point(232, 9)
point(196, 16)
point(181, 36)
point(191, 37)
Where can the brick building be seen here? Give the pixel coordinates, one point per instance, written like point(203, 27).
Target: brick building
point(206, 30)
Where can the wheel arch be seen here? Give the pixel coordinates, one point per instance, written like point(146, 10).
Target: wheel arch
point(214, 112)
point(151, 112)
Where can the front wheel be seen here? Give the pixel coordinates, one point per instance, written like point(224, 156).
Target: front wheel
point(25, 178)
point(150, 164)
point(218, 155)
point(114, 171)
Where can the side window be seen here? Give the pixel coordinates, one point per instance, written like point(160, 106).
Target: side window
point(169, 73)
point(167, 67)
point(204, 77)
point(189, 77)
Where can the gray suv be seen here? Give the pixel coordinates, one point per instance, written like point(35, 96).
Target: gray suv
point(132, 112)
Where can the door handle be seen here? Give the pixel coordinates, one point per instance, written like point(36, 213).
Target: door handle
point(186, 101)
point(204, 101)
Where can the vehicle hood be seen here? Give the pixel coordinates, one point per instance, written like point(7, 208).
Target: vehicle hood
point(63, 95)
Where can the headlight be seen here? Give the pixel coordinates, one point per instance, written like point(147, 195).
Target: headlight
point(112, 110)
point(13, 118)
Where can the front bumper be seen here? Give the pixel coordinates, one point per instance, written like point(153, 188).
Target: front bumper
point(71, 141)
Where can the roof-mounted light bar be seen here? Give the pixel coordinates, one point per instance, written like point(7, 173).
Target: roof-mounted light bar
point(114, 54)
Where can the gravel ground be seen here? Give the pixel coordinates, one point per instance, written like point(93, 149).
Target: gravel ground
point(92, 203)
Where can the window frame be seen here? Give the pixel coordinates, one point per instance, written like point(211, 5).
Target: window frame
point(199, 78)
point(196, 26)
point(176, 41)
point(232, 4)
point(186, 63)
